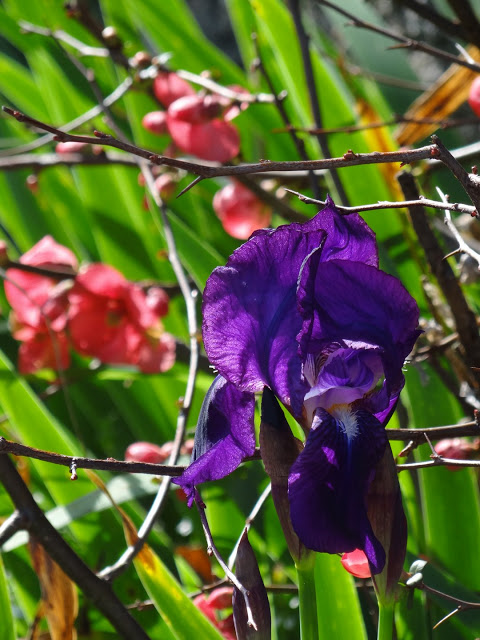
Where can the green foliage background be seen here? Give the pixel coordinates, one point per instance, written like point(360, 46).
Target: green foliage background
point(97, 211)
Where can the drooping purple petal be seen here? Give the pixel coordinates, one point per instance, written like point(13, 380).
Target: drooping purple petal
point(225, 435)
point(329, 481)
point(360, 304)
point(250, 313)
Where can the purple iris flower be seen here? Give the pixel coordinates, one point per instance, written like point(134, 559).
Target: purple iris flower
point(305, 310)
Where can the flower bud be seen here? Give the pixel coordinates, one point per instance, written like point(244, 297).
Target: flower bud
point(457, 449)
point(71, 147)
point(474, 96)
point(145, 452)
point(195, 109)
point(155, 122)
point(389, 524)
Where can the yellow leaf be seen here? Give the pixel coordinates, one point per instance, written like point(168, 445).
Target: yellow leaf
point(447, 94)
point(59, 595)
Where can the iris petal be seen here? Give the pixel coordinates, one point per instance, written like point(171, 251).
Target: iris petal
point(251, 317)
point(224, 436)
point(329, 481)
point(361, 305)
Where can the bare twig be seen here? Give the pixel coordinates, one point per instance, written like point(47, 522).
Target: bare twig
point(404, 41)
point(212, 549)
point(38, 162)
point(303, 39)
point(385, 204)
point(398, 119)
point(80, 47)
point(248, 522)
point(95, 111)
point(350, 159)
point(110, 464)
point(298, 142)
point(463, 247)
point(95, 589)
point(427, 12)
point(465, 321)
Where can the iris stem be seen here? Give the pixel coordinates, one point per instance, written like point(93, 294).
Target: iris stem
point(307, 597)
point(385, 621)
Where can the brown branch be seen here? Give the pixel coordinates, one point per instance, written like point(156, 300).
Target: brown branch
point(468, 20)
point(303, 39)
point(404, 42)
point(279, 98)
point(427, 12)
point(95, 589)
point(110, 464)
point(469, 181)
point(441, 124)
point(435, 433)
point(350, 159)
point(464, 317)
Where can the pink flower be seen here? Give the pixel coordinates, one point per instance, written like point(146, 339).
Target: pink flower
point(39, 307)
point(218, 600)
point(113, 319)
point(240, 211)
point(198, 127)
point(356, 563)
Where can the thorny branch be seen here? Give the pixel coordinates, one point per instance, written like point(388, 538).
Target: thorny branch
point(350, 159)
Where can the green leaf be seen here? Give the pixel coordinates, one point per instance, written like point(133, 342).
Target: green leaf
point(7, 629)
point(339, 613)
point(182, 617)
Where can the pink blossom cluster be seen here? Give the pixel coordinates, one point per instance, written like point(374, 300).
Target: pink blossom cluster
point(97, 312)
point(200, 125)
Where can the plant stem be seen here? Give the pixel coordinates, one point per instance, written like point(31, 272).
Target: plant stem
point(307, 598)
point(385, 621)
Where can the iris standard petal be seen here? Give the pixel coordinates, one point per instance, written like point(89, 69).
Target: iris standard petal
point(225, 435)
point(329, 481)
point(251, 317)
point(348, 237)
point(357, 303)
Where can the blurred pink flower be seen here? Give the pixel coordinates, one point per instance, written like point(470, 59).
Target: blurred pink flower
point(39, 307)
point(113, 320)
point(240, 211)
point(218, 600)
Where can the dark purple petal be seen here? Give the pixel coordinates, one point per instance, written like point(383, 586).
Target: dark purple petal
point(348, 237)
point(329, 481)
point(251, 317)
point(361, 305)
point(225, 435)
